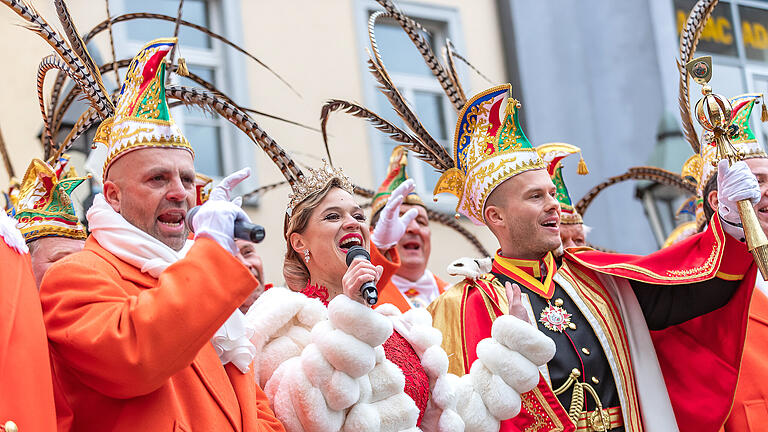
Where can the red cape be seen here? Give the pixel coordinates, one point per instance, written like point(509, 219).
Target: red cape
point(699, 358)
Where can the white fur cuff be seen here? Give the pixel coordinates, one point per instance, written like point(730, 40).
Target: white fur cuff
point(517, 371)
point(501, 400)
point(359, 320)
point(524, 338)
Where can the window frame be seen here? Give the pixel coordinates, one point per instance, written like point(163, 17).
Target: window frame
point(449, 18)
point(230, 76)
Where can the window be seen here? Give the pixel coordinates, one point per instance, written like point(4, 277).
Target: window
point(416, 83)
point(736, 36)
point(220, 148)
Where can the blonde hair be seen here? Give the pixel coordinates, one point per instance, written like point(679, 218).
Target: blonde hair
point(295, 270)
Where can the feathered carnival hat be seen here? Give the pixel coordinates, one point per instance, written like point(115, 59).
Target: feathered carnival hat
point(142, 118)
point(702, 166)
point(489, 148)
point(552, 154)
point(395, 177)
point(43, 207)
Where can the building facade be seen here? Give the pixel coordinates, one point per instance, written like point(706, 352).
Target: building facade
point(600, 76)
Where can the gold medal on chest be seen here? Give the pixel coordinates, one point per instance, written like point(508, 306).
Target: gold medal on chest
point(555, 317)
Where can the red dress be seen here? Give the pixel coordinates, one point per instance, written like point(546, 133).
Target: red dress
point(398, 351)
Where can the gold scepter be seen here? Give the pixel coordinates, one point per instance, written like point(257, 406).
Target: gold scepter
point(713, 112)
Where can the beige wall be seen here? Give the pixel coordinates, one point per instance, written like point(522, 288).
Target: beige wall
point(313, 44)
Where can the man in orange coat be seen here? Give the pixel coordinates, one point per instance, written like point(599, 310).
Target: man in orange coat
point(143, 325)
point(25, 374)
point(396, 205)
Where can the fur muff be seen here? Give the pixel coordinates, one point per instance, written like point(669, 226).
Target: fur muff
point(309, 405)
point(397, 413)
point(345, 352)
point(472, 408)
point(524, 338)
point(359, 320)
point(340, 390)
point(386, 381)
point(501, 400)
point(362, 417)
point(517, 371)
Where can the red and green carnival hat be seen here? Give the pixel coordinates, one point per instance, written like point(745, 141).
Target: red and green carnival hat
point(396, 176)
point(553, 154)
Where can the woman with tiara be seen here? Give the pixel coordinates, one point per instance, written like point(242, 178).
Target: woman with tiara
point(328, 362)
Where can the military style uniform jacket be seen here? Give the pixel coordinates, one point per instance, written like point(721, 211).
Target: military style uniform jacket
point(641, 340)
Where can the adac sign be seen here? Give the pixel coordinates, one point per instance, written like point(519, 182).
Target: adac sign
point(719, 35)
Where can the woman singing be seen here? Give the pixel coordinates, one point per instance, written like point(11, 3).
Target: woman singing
point(329, 362)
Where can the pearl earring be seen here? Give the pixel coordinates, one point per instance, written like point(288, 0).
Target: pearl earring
point(306, 256)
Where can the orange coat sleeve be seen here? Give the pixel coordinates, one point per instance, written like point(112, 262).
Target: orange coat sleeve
point(125, 340)
point(390, 265)
point(26, 389)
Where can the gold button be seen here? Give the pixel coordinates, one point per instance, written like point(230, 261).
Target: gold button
point(585, 351)
point(572, 326)
point(558, 302)
point(595, 380)
point(575, 372)
point(10, 426)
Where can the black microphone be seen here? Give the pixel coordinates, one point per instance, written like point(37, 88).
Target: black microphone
point(367, 290)
point(244, 230)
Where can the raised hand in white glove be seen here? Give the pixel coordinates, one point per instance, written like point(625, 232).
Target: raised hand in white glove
point(223, 190)
point(391, 226)
point(734, 183)
point(216, 218)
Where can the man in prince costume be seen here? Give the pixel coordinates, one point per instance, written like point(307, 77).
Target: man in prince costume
point(637, 337)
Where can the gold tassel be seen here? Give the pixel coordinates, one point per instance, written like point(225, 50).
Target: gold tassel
point(182, 70)
point(582, 168)
point(764, 114)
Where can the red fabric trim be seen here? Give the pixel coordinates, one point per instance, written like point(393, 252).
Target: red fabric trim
point(700, 361)
point(689, 353)
point(695, 259)
point(536, 416)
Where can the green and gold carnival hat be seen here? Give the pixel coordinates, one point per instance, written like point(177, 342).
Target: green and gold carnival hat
point(489, 148)
point(396, 176)
point(142, 118)
point(43, 207)
point(552, 154)
point(701, 167)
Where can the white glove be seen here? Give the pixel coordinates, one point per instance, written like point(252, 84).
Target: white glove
point(216, 220)
point(507, 366)
point(391, 227)
point(223, 190)
point(734, 183)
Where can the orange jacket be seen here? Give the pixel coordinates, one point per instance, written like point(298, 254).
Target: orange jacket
point(132, 353)
point(750, 406)
point(389, 292)
point(26, 394)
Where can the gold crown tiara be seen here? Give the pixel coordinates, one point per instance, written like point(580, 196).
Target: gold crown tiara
point(316, 180)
